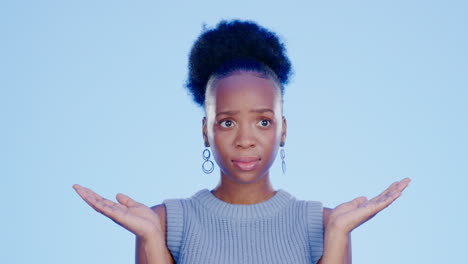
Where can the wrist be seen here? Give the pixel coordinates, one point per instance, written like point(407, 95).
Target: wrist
point(155, 250)
point(335, 244)
point(337, 228)
point(336, 237)
point(336, 232)
point(151, 237)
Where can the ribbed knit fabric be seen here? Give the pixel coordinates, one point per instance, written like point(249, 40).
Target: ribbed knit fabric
point(282, 229)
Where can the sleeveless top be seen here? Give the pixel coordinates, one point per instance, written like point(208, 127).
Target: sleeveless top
point(282, 229)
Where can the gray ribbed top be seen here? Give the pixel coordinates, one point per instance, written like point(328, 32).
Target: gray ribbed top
point(282, 229)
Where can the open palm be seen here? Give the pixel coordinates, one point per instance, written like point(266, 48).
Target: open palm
point(133, 216)
point(349, 215)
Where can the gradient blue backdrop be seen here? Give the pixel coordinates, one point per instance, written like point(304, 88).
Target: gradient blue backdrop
point(91, 92)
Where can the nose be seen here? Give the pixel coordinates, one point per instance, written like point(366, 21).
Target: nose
point(245, 137)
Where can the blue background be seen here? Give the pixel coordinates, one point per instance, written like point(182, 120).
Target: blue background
point(92, 92)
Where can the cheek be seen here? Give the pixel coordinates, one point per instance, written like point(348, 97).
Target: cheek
point(276, 131)
point(220, 143)
point(219, 136)
point(272, 142)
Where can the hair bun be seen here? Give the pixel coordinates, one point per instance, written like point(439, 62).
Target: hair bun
point(234, 40)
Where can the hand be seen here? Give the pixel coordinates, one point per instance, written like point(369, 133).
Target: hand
point(347, 216)
point(133, 216)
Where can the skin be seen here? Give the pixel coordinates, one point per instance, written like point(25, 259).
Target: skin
point(243, 119)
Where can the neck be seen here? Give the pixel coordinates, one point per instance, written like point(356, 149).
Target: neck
point(233, 192)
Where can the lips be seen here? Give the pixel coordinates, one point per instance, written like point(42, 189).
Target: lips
point(246, 163)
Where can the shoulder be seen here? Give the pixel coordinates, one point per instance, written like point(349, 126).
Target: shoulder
point(326, 216)
point(169, 208)
point(160, 210)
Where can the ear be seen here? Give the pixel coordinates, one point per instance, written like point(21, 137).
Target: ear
point(205, 132)
point(283, 132)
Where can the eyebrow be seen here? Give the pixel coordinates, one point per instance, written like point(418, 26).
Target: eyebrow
point(262, 110)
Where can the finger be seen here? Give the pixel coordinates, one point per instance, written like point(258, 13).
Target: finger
point(403, 184)
point(392, 189)
point(114, 211)
point(353, 204)
point(387, 197)
point(88, 195)
point(126, 200)
point(84, 193)
point(386, 201)
point(397, 190)
point(389, 189)
point(374, 207)
point(368, 209)
point(93, 202)
point(99, 203)
point(359, 200)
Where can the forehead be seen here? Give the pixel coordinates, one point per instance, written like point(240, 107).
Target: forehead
point(245, 90)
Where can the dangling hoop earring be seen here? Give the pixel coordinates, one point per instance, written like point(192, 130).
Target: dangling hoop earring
point(208, 165)
point(283, 155)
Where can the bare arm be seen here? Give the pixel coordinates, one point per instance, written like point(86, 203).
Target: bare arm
point(141, 248)
point(136, 218)
point(347, 257)
point(343, 245)
point(347, 216)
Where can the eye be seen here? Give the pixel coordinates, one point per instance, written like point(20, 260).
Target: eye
point(264, 122)
point(226, 123)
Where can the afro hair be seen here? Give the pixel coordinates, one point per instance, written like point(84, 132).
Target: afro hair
point(235, 45)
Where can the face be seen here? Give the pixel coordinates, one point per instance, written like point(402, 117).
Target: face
point(244, 125)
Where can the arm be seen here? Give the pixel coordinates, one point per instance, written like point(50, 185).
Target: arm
point(347, 216)
point(141, 247)
point(152, 252)
point(136, 218)
point(341, 244)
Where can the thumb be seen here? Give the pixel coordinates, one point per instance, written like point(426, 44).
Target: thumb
point(353, 204)
point(359, 201)
point(126, 200)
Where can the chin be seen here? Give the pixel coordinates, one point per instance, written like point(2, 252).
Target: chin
point(246, 179)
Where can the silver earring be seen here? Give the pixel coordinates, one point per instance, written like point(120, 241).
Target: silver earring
point(208, 165)
point(283, 155)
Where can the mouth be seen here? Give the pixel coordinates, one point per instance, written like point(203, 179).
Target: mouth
point(246, 163)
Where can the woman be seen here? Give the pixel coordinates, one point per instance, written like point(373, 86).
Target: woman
point(237, 74)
